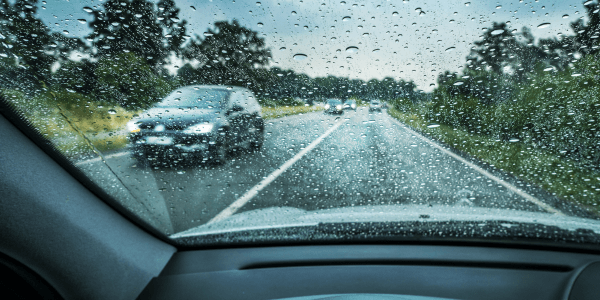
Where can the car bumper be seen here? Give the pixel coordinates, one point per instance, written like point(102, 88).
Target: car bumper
point(153, 144)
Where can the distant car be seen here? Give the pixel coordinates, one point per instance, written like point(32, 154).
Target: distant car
point(197, 122)
point(375, 105)
point(334, 106)
point(350, 105)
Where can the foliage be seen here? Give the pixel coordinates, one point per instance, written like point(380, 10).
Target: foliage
point(128, 81)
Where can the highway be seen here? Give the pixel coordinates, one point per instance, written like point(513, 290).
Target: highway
point(317, 161)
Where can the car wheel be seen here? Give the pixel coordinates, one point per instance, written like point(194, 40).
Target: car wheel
point(219, 155)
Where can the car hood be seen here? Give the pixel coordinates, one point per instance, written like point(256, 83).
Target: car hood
point(181, 116)
point(282, 217)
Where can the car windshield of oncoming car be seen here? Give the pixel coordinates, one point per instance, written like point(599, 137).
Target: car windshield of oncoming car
point(473, 114)
point(196, 98)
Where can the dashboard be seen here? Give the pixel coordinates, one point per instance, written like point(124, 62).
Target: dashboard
point(58, 239)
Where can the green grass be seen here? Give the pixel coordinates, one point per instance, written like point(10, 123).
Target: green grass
point(283, 111)
point(557, 175)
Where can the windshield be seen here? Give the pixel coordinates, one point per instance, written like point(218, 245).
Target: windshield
point(466, 114)
point(196, 98)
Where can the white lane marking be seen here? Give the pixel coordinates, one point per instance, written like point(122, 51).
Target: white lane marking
point(118, 154)
point(507, 185)
point(237, 204)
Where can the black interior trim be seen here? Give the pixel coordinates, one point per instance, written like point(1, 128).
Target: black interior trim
point(16, 118)
point(384, 262)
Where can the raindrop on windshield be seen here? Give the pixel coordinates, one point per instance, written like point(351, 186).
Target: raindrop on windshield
point(300, 56)
point(450, 49)
point(565, 16)
point(258, 3)
point(459, 83)
point(467, 3)
point(88, 9)
point(345, 19)
point(260, 24)
point(376, 50)
point(112, 111)
point(433, 125)
point(352, 49)
point(395, 14)
point(497, 32)
point(513, 140)
point(543, 25)
point(82, 21)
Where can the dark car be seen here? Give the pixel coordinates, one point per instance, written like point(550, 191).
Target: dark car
point(333, 106)
point(375, 105)
point(350, 105)
point(197, 122)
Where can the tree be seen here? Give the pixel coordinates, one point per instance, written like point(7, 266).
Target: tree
point(585, 40)
point(129, 81)
point(496, 50)
point(173, 27)
point(230, 52)
point(28, 40)
point(135, 26)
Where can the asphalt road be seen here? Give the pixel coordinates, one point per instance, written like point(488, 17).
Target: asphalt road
point(366, 159)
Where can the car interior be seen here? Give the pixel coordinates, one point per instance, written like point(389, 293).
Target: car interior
point(62, 238)
point(478, 177)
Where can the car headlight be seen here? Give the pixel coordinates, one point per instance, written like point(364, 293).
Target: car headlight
point(199, 128)
point(133, 126)
point(327, 106)
point(339, 106)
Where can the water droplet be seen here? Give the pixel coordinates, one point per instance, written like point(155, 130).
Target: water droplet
point(258, 3)
point(112, 111)
point(450, 49)
point(346, 19)
point(192, 7)
point(88, 9)
point(499, 7)
point(467, 3)
point(459, 83)
point(208, 34)
point(82, 21)
point(565, 16)
point(352, 49)
point(543, 25)
point(576, 75)
point(259, 24)
point(138, 15)
point(300, 56)
point(513, 140)
point(433, 125)
point(497, 32)
point(548, 69)
point(376, 50)
point(294, 12)
point(587, 2)
point(282, 48)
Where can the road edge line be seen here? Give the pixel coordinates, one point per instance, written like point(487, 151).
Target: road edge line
point(500, 181)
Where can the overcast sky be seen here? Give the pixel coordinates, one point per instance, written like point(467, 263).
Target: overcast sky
point(412, 40)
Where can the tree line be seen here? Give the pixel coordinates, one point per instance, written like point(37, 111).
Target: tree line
point(122, 60)
point(543, 92)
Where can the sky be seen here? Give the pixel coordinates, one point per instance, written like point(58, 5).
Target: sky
point(410, 40)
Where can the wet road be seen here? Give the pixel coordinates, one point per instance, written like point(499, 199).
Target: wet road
point(356, 159)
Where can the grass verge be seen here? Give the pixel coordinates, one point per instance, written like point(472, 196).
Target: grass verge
point(283, 111)
point(559, 176)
